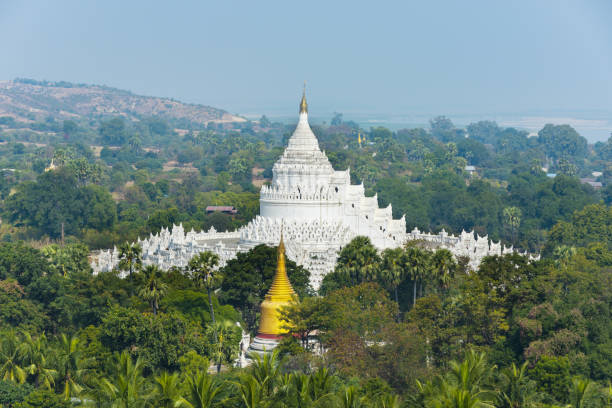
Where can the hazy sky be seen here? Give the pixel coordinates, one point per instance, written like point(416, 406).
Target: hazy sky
point(423, 57)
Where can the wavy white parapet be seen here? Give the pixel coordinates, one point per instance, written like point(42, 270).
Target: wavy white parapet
point(313, 244)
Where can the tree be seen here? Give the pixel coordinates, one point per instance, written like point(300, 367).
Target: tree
point(359, 261)
point(126, 387)
point(72, 367)
point(465, 385)
point(112, 132)
point(23, 263)
point(512, 219)
point(159, 340)
point(349, 398)
point(48, 203)
point(563, 254)
point(11, 393)
point(203, 391)
point(444, 267)
point(153, 288)
point(566, 167)
point(393, 269)
point(443, 129)
point(11, 365)
point(552, 376)
point(358, 317)
point(304, 317)
point(69, 127)
point(484, 131)
point(226, 337)
point(84, 171)
point(583, 393)
point(68, 259)
point(56, 203)
point(167, 390)
point(44, 399)
point(205, 275)
point(516, 389)
point(264, 373)
point(35, 352)
point(562, 141)
point(586, 226)
point(417, 263)
point(251, 392)
point(130, 257)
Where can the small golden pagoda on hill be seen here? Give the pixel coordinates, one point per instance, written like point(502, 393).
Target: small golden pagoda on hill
point(281, 294)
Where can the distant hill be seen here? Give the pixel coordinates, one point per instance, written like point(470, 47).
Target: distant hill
point(28, 100)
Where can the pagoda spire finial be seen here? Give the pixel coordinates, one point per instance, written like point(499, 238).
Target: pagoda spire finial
point(281, 244)
point(303, 104)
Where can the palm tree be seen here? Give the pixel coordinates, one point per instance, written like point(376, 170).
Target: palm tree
point(472, 373)
point(393, 269)
point(251, 391)
point(444, 267)
point(202, 391)
point(72, 368)
point(266, 371)
point(167, 390)
point(204, 273)
point(349, 398)
point(11, 363)
point(152, 289)
point(35, 358)
point(321, 384)
point(563, 254)
point(359, 261)
point(464, 386)
point(135, 144)
point(127, 388)
point(387, 400)
point(299, 390)
point(583, 393)
point(416, 261)
point(130, 257)
point(512, 219)
point(516, 390)
point(223, 350)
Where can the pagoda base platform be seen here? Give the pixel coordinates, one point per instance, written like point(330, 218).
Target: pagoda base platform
point(264, 344)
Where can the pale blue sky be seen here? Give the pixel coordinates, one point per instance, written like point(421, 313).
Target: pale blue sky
point(375, 57)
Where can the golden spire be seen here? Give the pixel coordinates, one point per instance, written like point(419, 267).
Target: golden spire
point(281, 294)
point(359, 138)
point(281, 288)
point(303, 104)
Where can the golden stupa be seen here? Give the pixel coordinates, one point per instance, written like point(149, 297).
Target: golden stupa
point(281, 294)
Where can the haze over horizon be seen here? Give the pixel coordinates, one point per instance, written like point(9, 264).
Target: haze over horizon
point(514, 61)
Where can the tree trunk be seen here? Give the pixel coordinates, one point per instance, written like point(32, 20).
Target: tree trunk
point(212, 315)
point(212, 312)
point(397, 301)
point(414, 287)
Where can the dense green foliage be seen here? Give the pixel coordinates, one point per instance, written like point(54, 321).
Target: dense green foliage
point(406, 327)
point(150, 174)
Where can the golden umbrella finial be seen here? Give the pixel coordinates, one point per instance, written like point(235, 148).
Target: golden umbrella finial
point(303, 104)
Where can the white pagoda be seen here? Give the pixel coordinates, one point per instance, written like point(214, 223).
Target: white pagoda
point(319, 211)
